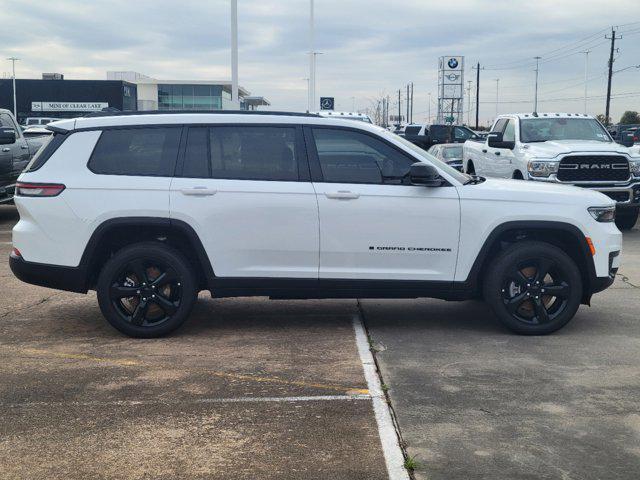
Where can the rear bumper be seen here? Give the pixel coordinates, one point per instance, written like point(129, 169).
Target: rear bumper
point(71, 279)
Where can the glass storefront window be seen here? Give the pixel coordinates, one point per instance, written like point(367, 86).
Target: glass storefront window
point(189, 97)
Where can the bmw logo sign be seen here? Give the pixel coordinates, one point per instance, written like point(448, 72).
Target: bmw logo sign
point(453, 63)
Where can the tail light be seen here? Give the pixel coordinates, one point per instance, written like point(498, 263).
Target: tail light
point(16, 252)
point(26, 189)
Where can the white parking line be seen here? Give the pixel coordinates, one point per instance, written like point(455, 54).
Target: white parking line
point(390, 446)
point(313, 398)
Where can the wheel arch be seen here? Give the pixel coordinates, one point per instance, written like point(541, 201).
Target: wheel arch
point(115, 233)
point(564, 235)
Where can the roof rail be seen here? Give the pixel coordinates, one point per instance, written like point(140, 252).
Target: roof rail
point(217, 112)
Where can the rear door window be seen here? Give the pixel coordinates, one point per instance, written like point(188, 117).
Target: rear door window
point(241, 153)
point(136, 151)
point(412, 130)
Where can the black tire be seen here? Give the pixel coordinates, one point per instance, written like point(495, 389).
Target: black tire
point(626, 219)
point(161, 285)
point(471, 170)
point(518, 283)
point(517, 175)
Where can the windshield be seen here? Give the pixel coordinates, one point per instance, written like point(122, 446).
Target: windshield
point(459, 176)
point(452, 152)
point(545, 129)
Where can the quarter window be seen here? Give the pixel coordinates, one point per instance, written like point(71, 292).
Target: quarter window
point(351, 157)
point(136, 151)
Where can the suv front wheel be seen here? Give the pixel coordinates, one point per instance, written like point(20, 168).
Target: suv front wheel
point(533, 287)
point(146, 290)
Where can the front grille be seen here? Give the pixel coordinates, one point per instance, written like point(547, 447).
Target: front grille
point(593, 168)
point(618, 196)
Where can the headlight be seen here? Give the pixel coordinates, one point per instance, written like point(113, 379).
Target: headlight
point(539, 168)
point(603, 214)
point(634, 166)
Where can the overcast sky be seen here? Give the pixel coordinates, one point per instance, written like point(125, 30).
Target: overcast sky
point(370, 48)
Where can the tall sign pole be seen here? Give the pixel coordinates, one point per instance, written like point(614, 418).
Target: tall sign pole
point(234, 53)
point(312, 55)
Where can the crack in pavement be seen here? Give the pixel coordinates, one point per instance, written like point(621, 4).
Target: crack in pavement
point(31, 305)
point(625, 279)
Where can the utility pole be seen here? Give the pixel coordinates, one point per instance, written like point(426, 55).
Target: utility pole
point(613, 39)
point(13, 76)
point(399, 109)
point(234, 54)
point(469, 102)
point(411, 102)
point(386, 115)
point(477, 94)
point(586, 75)
point(497, 89)
point(353, 104)
point(535, 100)
point(408, 102)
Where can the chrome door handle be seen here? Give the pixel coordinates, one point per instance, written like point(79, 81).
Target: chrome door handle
point(484, 150)
point(342, 195)
point(497, 153)
point(6, 149)
point(199, 191)
point(24, 147)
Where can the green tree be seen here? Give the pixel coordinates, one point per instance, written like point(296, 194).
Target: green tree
point(630, 117)
point(601, 118)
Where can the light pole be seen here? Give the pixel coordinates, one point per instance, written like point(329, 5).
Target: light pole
point(13, 76)
point(353, 104)
point(497, 89)
point(306, 79)
point(234, 54)
point(429, 120)
point(535, 100)
point(586, 73)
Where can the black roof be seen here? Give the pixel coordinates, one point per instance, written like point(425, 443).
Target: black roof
point(114, 113)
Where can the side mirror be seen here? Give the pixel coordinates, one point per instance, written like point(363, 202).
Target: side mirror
point(627, 139)
point(424, 174)
point(494, 140)
point(7, 136)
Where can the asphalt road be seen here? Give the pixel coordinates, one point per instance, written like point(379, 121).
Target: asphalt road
point(248, 388)
point(474, 401)
point(251, 388)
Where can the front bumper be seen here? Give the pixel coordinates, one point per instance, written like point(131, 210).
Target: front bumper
point(623, 193)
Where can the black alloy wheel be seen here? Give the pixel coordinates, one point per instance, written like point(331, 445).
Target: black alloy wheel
point(146, 290)
point(534, 287)
point(536, 291)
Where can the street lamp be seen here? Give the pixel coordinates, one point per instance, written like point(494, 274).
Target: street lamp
point(535, 100)
point(13, 76)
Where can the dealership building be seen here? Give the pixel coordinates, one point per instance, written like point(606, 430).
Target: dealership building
point(53, 96)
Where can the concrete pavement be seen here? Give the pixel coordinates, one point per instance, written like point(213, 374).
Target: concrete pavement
point(475, 401)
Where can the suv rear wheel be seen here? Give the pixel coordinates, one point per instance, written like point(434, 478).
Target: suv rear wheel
point(533, 287)
point(146, 290)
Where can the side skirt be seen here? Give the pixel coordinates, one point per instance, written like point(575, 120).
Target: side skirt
point(295, 288)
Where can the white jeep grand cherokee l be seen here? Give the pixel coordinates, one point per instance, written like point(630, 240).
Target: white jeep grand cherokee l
point(149, 209)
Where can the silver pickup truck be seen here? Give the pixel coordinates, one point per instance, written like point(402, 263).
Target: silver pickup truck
point(15, 152)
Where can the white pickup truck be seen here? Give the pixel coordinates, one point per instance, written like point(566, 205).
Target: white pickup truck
point(561, 148)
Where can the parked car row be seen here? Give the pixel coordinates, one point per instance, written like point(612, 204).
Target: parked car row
point(425, 136)
point(17, 147)
point(150, 209)
point(561, 148)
